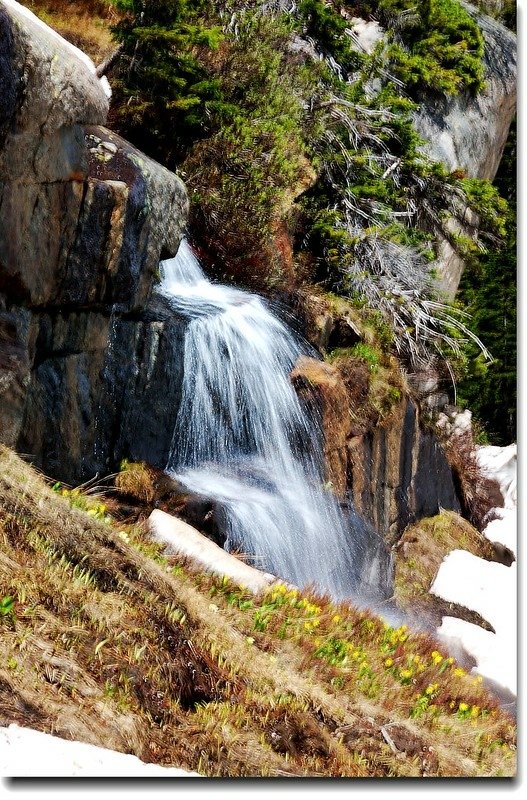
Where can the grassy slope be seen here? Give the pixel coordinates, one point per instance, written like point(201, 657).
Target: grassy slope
point(113, 644)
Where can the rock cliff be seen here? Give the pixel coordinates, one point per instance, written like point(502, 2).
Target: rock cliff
point(84, 221)
point(468, 131)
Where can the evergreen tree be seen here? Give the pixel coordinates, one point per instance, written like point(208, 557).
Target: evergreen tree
point(163, 86)
point(490, 293)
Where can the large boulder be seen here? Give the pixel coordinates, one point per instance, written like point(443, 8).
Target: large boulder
point(84, 220)
point(467, 131)
point(84, 216)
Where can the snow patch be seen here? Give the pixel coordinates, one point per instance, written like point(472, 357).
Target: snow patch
point(493, 662)
point(181, 538)
point(487, 587)
point(500, 464)
point(22, 11)
point(25, 753)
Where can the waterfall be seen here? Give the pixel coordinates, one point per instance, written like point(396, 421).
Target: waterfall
point(242, 440)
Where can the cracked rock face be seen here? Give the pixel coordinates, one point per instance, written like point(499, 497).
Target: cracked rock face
point(84, 220)
point(84, 216)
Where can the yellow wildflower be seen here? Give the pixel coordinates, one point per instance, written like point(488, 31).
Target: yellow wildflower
point(406, 673)
point(463, 707)
point(337, 618)
point(388, 662)
point(474, 711)
point(458, 672)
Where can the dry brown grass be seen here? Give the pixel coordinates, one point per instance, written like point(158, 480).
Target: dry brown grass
point(137, 481)
point(112, 644)
point(84, 23)
point(477, 492)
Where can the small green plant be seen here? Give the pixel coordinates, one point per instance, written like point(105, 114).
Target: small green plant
point(368, 354)
point(7, 607)
point(437, 45)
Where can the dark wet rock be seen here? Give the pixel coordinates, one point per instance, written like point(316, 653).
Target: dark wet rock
point(88, 367)
point(15, 365)
point(398, 472)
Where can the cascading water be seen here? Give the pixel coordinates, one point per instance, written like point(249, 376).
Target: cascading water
point(242, 440)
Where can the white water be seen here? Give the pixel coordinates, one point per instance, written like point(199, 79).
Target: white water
point(242, 440)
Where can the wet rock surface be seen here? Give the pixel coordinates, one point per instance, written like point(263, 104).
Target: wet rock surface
point(84, 220)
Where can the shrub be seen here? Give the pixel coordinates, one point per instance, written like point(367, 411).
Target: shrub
point(436, 45)
point(136, 481)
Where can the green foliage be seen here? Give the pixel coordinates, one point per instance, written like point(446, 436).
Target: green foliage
point(436, 45)
point(489, 291)
point(164, 86)
point(78, 499)
point(242, 176)
point(367, 354)
point(324, 24)
point(7, 607)
point(255, 123)
point(484, 199)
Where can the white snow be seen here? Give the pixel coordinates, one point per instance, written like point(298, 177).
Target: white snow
point(504, 528)
point(493, 662)
point(500, 463)
point(18, 8)
point(25, 753)
point(487, 587)
point(181, 538)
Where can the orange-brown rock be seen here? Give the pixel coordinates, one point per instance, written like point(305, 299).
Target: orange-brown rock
point(320, 386)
